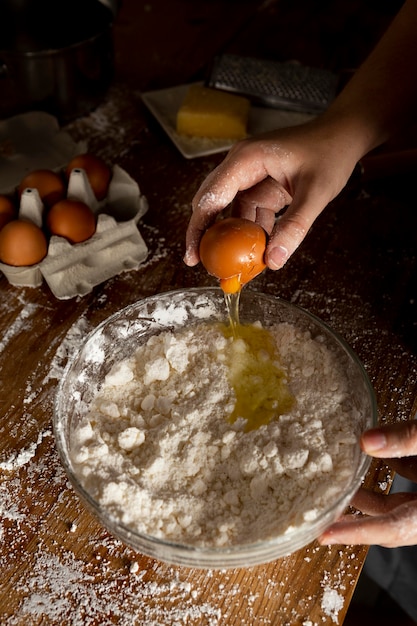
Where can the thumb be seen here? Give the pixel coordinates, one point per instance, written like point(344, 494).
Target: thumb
point(395, 440)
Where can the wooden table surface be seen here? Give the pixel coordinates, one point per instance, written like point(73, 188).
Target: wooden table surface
point(356, 270)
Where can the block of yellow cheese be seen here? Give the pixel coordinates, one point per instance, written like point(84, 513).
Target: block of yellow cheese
point(211, 113)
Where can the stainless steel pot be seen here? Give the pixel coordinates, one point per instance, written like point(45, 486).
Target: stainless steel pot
point(55, 56)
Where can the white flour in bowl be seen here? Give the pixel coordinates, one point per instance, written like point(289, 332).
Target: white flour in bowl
point(158, 452)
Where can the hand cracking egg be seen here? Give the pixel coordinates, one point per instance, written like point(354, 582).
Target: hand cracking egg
point(233, 250)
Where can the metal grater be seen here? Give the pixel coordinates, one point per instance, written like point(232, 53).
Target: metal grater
point(290, 86)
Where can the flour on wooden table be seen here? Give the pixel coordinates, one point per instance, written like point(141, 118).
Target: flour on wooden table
point(158, 452)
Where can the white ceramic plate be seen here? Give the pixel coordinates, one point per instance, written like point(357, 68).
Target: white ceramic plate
point(164, 104)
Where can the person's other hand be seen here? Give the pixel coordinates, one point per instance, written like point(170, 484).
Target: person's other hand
point(302, 168)
point(388, 520)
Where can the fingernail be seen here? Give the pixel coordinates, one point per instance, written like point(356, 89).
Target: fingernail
point(373, 440)
point(277, 257)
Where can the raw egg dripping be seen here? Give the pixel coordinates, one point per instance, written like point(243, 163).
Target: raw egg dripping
point(233, 250)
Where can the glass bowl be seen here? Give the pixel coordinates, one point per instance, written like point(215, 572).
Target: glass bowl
point(119, 336)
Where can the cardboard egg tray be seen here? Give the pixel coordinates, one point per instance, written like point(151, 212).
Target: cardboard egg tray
point(72, 270)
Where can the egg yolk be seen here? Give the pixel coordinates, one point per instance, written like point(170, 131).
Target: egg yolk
point(258, 380)
point(232, 250)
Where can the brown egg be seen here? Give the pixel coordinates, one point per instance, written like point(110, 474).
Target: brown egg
point(22, 243)
point(7, 210)
point(232, 250)
point(49, 184)
point(71, 219)
point(97, 171)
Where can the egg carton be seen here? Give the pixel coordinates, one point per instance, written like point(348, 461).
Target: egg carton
point(72, 270)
